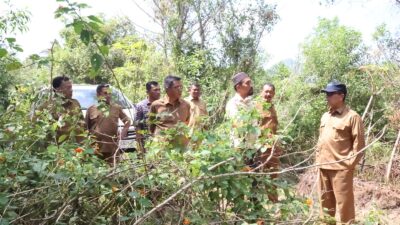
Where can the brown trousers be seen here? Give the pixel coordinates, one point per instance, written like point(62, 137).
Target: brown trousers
point(336, 193)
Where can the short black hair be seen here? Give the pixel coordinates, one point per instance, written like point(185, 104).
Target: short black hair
point(194, 84)
point(169, 81)
point(149, 84)
point(100, 87)
point(57, 81)
point(270, 85)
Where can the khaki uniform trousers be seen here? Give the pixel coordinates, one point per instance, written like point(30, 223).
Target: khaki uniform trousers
point(336, 194)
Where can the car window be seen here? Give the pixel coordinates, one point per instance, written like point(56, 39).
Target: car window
point(118, 98)
point(87, 97)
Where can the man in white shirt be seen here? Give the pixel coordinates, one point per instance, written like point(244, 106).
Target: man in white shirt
point(236, 108)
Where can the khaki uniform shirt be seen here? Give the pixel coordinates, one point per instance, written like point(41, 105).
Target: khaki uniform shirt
point(269, 126)
point(341, 136)
point(68, 114)
point(105, 127)
point(198, 109)
point(269, 118)
point(164, 114)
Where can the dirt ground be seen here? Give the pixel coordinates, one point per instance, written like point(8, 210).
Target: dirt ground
point(375, 200)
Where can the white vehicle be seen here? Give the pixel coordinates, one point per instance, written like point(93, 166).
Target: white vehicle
point(86, 95)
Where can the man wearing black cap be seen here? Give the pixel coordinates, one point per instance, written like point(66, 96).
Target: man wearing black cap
point(241, 101)
point(340, 140)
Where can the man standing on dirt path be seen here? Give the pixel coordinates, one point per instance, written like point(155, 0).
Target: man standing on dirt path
point(340, 140)
point(268, 125)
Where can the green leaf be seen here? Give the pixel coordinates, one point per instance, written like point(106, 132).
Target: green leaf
point(62, 138)
point(3, 52)
point(83, 5)
point(18, 48)
point(96, 61)
point(104, 50)
point(78, 26)
point(95, 19)
point(94, 26)
point(11, 40)
point(3, 199)
point(86, 36)
point(52, 148)
point(34, 57)
point(13, 66)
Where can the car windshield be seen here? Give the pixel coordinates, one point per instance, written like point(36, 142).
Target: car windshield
point(87, 97)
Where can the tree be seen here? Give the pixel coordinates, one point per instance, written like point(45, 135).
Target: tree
point(331, 51)
point(11, 21)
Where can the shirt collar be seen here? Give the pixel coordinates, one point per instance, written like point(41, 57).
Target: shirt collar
point(166, 101)
point(338, 111)
point(239, 98)
point(190, 98)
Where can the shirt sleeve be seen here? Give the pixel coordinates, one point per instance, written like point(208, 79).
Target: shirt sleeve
point(357, 130)
point(125, 119)
point(87, 119)
point(139, 118)
point(151, 120)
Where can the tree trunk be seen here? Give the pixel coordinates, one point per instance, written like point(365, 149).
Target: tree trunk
point(389, 167)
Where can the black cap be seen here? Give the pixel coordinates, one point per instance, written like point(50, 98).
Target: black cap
point(335, 86)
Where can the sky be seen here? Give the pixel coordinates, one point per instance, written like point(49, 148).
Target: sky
point(297, 20)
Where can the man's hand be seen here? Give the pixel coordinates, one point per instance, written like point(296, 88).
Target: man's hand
point(123, 133)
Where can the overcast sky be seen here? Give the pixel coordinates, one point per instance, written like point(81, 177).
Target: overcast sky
point(297, 20)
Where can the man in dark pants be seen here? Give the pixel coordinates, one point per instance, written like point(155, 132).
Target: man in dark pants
point(340, 140)
point(142, 113)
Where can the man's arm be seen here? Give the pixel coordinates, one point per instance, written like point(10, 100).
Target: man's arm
point(152, 118)
point(127, 122)
point(357, 130)
point(139, 117)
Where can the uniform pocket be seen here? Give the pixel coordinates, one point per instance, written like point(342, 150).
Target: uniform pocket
point(340, 131)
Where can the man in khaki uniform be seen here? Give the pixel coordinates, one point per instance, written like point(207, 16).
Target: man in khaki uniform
point(198, 108)
point(64, 110)
point(341, 138)
point(167, 112)
point(269, 126)
point(102, 121)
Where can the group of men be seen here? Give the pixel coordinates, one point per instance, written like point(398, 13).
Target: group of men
point(339, 147)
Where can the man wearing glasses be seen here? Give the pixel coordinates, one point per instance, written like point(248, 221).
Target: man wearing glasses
point(102, 121)
point(340, 140)
point(168, 112)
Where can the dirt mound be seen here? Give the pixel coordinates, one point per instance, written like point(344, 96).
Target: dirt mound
point(379, 171)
